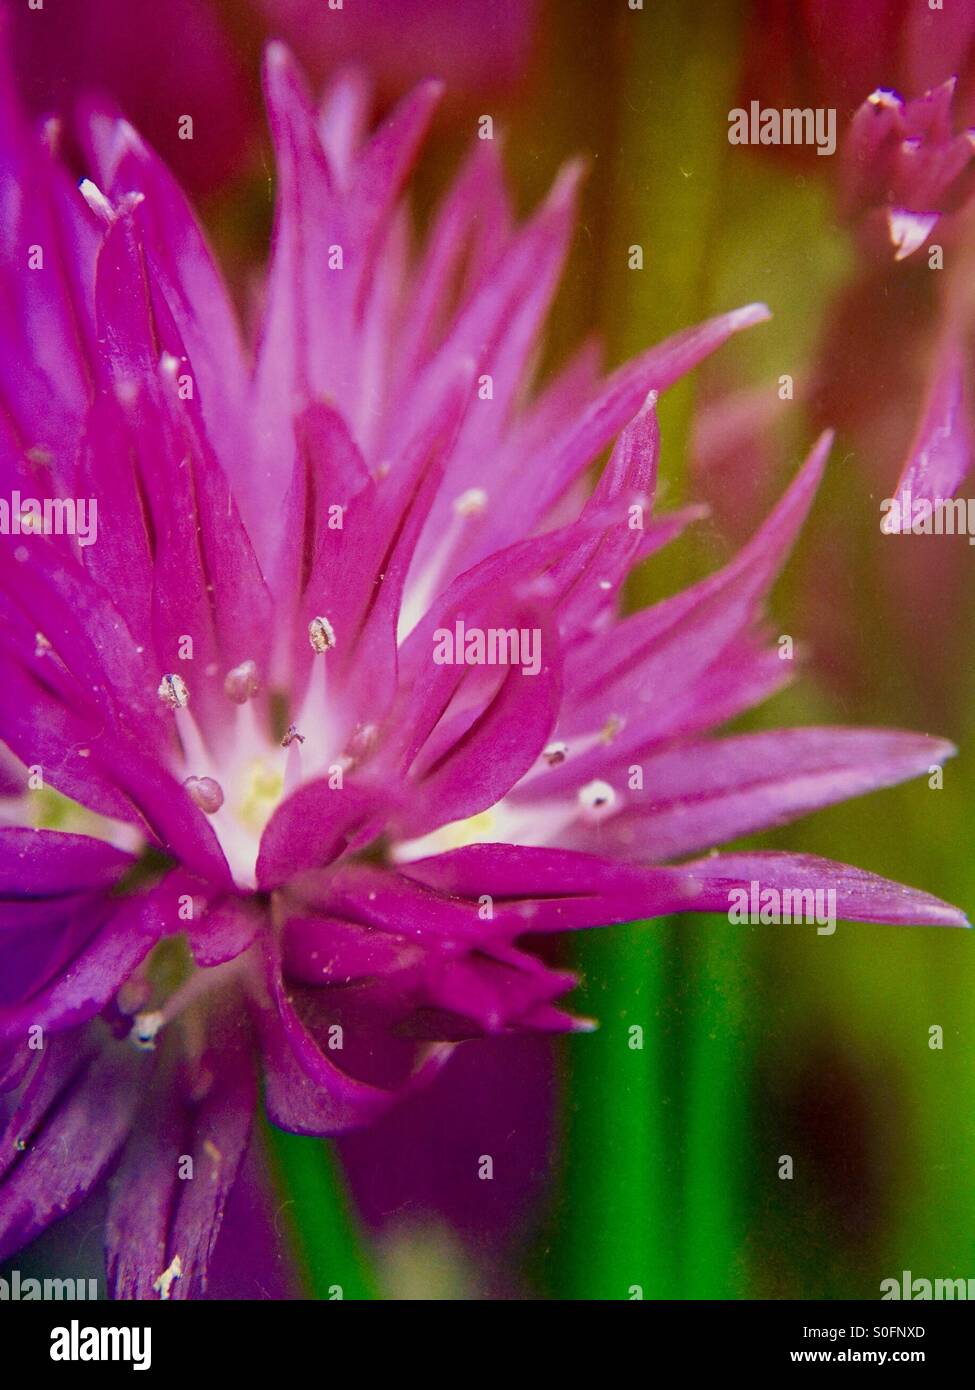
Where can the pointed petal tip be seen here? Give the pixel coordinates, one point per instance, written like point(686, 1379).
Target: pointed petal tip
point(431, 89)
point(565, 189)
point(954, 917)
point(280, 73)
point(420, 101)
point(277, 55)
point(750, 314)
point(819, 454)
point(936, 914)
point(908, 231)
point(884, 96)
point(127, 134)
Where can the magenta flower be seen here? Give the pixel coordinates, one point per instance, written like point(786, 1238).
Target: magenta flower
point(339, 702)
point(834, 52)
point(476, 46)
point(904, 166)
point(157, 70)
point(196, 58)
point(893, 374)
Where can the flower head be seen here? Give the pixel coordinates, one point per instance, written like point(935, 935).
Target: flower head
point(342, 707)
point(903, 160)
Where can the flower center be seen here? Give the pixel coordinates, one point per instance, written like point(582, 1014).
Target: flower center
point(262, 791)
point(241, 795)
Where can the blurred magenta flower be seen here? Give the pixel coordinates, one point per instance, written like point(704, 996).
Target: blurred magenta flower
point(469, 44)
point(178, 60)
point(312, 828)
point(835, 52)
point(904, 168)
point(893, 372)
point(903, 161)
point(195, 58)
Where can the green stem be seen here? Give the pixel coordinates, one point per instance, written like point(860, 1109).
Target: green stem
point(717, 1062)
point(639, 1216)
point(325, 1235)
point(617, 1222)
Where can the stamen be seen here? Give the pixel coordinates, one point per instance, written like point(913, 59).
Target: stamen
point(360, 744)
point(97, 201)
point(471, 503)
point(321, 635)
point(196, 986)
point(555, 753)
point(596, 800)
point(206, 792)
point(611, 728)
point(241, 684)
point(170, 1274)
point(292, 768)
point(144, 1029)
point(173, 692)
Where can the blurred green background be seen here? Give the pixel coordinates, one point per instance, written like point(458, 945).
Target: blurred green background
point(761, 1042)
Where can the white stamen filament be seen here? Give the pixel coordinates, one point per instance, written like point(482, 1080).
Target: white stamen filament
point(426, 586)
point(97, 201)
point(247, 730)
point(195, 753)
point(292, 767)
point(314, 716)
point(147, 1026)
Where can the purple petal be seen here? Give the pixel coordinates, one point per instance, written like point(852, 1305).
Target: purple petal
point(860, 896)
point(699, 795)
point(83, 1104)
point(97, 948)
point(940, 455)
point(160, 1218)
point(315, 826)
